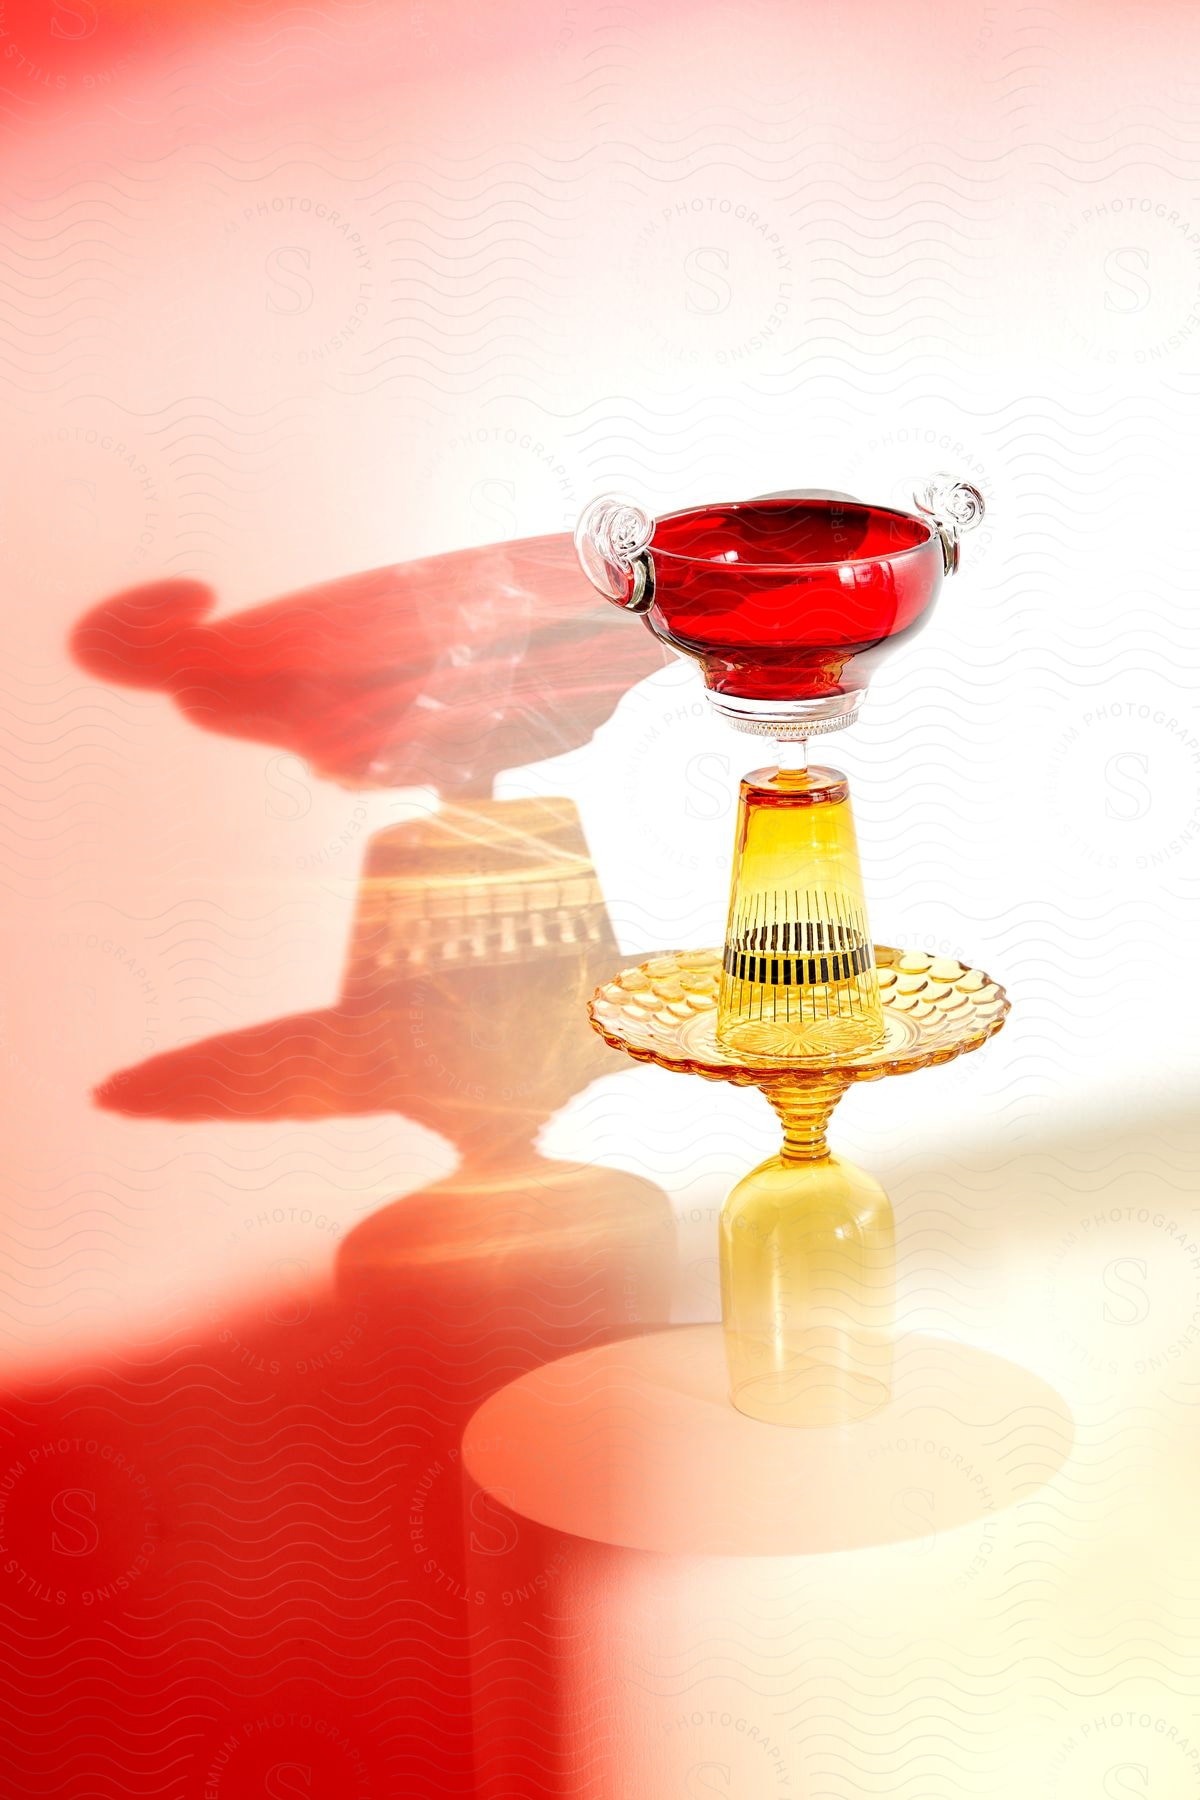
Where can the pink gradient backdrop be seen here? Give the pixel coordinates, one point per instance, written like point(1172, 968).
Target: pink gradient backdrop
point(289, 293)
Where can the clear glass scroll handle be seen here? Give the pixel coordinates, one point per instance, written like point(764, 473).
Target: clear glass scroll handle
point(610, 540)
point(955, 507)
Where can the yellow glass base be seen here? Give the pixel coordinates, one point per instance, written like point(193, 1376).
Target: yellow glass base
point(807, 1037)
point(807, 1240)
point(808, 1277)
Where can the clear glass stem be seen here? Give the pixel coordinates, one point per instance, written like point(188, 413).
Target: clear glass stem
point(792, 753)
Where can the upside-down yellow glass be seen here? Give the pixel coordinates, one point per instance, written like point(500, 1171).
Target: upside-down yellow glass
point(799, 970)
point(808, 1276)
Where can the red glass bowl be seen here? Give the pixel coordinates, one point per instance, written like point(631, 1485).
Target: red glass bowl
point(787, 604)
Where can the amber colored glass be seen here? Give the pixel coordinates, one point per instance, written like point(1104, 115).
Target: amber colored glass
point(808, 1276)
point(799, 972)
point(807, 1242)
point(665, 1011)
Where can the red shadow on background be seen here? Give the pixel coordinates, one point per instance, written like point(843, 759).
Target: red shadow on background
point(433, 673)
point(236, 1566)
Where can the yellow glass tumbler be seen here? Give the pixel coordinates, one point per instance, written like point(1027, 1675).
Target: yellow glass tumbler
point(799, 968)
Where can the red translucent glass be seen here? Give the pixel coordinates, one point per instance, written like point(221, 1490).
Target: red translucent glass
point(791, 599)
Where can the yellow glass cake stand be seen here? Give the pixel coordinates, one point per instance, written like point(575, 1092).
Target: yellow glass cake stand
point(807, 1241)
